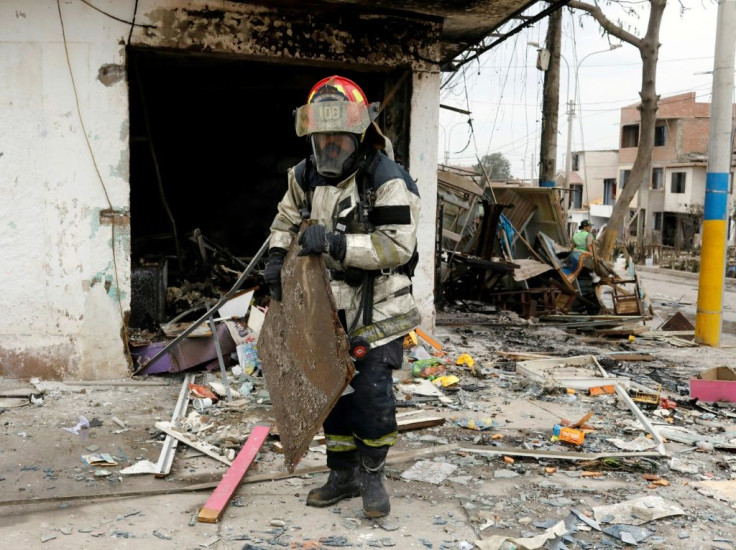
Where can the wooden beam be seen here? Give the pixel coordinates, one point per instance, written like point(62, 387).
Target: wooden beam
point(221, 496)
point(427, 338)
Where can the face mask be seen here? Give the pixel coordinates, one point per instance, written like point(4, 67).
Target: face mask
point(334, 153)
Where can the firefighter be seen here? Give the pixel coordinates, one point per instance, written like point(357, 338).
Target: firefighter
point(364, 209)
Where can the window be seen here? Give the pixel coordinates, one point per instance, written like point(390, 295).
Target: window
point(576, 162)
point(660, 134)
point(658, 221)
point(657, 178)
point(677, 182)
point(623, 177)
point(630, 136)
point(609, 191)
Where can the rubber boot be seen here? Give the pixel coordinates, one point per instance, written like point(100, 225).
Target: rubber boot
point(375, 498)
point(340, 484)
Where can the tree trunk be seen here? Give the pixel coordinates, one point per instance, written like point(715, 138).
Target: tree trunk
point(649, 51)
point(551, 100)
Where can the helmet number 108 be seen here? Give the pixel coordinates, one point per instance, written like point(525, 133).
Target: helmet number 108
point(330, 112)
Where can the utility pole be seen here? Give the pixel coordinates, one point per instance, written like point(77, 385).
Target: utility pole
point(550, 101)
point(568, 160)
point(709, 318)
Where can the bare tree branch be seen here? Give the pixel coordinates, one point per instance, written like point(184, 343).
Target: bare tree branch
point(606, 24)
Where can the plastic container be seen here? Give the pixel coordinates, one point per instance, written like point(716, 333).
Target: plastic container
point(201, 403)
point(569, 435)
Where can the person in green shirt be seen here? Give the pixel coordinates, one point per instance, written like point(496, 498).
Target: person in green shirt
point(583, 239)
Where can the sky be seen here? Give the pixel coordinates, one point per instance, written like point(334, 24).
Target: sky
point(503, 88)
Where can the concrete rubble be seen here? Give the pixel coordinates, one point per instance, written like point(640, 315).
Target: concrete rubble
point(476, 465)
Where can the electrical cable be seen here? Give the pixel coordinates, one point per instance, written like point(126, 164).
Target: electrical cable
point(133, 23)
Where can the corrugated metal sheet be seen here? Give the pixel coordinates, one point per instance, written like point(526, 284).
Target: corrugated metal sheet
point(304, 353)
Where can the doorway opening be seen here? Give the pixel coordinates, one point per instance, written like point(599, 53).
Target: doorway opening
point(211, 141)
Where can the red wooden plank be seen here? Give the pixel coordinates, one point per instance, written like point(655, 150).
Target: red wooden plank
point(230, 481)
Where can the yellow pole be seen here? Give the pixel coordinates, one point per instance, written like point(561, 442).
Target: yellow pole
point(709, 318)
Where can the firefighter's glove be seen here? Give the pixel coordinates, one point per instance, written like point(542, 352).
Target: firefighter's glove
point(317, 240)
point(272, 273)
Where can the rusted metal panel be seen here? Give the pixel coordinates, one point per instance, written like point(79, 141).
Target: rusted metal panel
point(304, 353)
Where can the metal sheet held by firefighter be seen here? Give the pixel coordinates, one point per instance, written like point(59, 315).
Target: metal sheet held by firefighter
point(304, 353)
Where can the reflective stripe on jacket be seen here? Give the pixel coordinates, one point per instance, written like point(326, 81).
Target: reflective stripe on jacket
point(387, 246)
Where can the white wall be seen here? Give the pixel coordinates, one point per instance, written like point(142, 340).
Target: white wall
point(595, 166)
point(423, 162)
point(60, 279)
point(694, 189)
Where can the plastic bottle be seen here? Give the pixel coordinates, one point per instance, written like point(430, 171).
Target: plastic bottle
point(570, 435)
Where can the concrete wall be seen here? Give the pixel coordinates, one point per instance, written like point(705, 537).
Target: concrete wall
point(595, 166)
point(64, 291)
point(64, 172)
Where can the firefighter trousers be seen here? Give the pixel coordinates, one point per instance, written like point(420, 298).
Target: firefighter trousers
point(365, 420)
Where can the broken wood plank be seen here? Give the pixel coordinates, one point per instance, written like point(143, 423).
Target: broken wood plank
point(217, 502)
point(522, 355)
point(166, 458)
point(630, 356)
point(667, 333)
point(621, 331)
point(427, 338)
point(189, 440)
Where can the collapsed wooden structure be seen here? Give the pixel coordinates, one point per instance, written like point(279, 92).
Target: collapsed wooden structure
point(506, 245)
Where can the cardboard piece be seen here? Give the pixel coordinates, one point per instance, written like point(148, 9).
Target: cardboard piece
point(237, 306)
point(715, 384)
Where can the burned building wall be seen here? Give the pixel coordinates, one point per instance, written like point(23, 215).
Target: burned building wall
point(64, 152)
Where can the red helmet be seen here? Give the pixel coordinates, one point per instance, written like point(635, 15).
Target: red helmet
point(334, 87)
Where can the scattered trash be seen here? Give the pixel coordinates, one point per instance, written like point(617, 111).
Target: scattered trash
point(248, 357)
point(569, 435)
point(199, 390)
point(429, 471)
point(428, 368)
point(446, 381)
point(479, 424)
point(140, 467)
point(641, 443)
point(637, 511)
point(83, 423)
point(201, 403)
point(99, 459)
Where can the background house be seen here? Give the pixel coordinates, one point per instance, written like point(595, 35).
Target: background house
point(592, 187)
point(129, 127)
point(668, 209)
